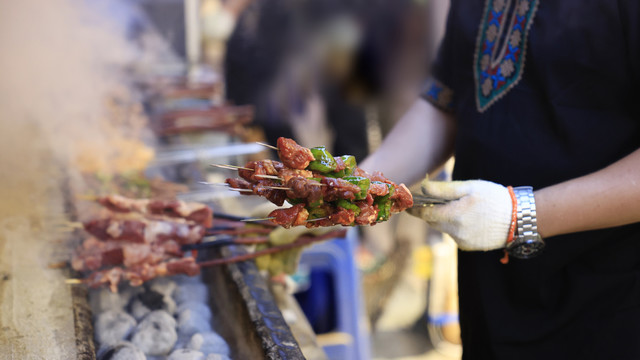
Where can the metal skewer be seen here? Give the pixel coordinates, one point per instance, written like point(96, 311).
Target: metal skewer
point(230, 167)
point(277, 188)
point(249, 190)
point(421, 200)
point(226, 185)
point(318, 219)
point(281, 179)
point(212, 184)
point(269, 177)
point(221, 216)
point(241, 190)
point(258, 219)
point(267, 145)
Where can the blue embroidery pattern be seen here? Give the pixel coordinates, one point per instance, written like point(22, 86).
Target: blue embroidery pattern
point(501, 47)
point(438, 94)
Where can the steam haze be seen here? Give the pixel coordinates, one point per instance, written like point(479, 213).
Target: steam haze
point(61, 62)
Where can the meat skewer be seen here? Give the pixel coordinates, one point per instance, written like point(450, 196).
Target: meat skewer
point(278, 188)
point(293, 155)
point(273, 218)
point(144, 230)
point(138, 242)
point(233, 221)
point(300, 188)
point(200, 213)
point(293, 216)
point(334, 189)
point(283, 180)
point(139, 274)
point(331, 188)
point(94, 254)
point(259, 188)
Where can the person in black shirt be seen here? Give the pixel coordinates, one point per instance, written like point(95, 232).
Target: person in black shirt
point(544, 94)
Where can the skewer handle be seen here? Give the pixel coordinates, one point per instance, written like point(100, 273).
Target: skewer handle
point(258, 219)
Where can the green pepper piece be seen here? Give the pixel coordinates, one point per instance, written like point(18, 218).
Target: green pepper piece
point(362, 182)
point(316, 203)
point(294, 201)
point(323, 162)
point(384, 211)
point(350, 163)
point(346, 204)
point(316, 212)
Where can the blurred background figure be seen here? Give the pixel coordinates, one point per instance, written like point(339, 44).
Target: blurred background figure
point(285, 58)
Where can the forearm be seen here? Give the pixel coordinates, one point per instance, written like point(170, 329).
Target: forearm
point(609, 197)
point(419, 143)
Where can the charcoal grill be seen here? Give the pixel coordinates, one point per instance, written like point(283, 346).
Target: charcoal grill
point(245, 313)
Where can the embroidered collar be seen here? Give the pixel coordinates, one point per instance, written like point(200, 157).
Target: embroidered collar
point(500, 48)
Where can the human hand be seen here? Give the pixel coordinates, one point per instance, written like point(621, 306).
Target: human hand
point(477, 217)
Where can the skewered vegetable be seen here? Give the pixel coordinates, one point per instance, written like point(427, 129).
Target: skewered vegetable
point(324, 162)
point(330, 190)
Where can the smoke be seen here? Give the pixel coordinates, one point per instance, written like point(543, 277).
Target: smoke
point(65, 107)
point(64, 100)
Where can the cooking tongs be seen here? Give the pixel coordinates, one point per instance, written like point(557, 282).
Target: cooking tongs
point(422, 200)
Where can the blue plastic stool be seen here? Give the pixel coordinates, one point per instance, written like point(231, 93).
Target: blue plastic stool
point(333, 303)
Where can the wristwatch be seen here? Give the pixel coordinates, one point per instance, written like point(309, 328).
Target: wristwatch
point(526, 243)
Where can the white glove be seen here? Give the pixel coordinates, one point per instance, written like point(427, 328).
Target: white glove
point(477, 218)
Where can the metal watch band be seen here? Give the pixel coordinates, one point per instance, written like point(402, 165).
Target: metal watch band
point(527, 225)
point(527, 242)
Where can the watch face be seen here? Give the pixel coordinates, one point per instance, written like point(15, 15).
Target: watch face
point(526, 249)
